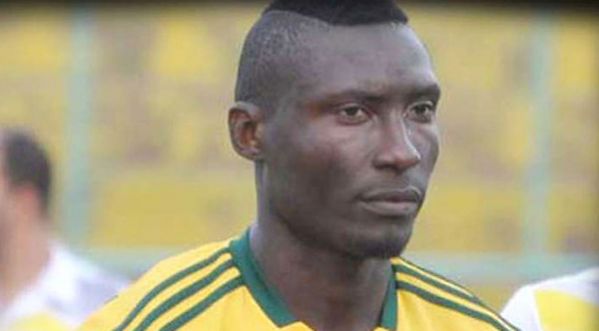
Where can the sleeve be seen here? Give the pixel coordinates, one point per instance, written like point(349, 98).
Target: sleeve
point(521, 310)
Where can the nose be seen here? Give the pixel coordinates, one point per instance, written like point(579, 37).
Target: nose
point(396, 151)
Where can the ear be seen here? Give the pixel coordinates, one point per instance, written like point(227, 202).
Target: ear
point(246, 123)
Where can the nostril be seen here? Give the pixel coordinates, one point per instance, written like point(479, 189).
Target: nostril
point(399, 156)
point(396, 148)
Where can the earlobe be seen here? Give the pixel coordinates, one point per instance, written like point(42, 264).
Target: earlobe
point(245, 130)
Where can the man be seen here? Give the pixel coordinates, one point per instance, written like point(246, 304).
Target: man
point(42, 286)
point(567, 303)
point(336, 109)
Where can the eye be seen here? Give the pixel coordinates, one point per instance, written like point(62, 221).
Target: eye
point(422, 112)
point(352, 114)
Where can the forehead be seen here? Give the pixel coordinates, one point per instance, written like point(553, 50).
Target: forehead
point(382, 58)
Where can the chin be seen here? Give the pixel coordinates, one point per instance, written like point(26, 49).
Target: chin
point(381, 244)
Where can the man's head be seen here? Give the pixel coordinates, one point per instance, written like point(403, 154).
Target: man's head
point(25, 175)
point(336, 106)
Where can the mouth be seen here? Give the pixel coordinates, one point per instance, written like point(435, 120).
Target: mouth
point(392, 203)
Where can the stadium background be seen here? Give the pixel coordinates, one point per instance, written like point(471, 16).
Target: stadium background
point(131, 104)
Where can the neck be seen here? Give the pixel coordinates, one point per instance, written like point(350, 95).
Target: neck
point(327, 290)
point(24, 252)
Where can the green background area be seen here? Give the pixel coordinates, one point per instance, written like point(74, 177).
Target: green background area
point(131, 104)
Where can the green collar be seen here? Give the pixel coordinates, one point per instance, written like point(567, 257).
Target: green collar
point(271, 302)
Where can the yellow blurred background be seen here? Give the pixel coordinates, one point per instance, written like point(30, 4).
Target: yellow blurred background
point(131, 104)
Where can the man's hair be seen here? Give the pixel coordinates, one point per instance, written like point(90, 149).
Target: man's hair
point(273, 45)
point(25, 162)
point(343, 12)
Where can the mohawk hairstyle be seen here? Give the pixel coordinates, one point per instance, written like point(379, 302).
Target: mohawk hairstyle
point(273, 53)
point(343, 12)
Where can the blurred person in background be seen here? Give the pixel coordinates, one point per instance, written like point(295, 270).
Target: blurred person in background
point(42, 285)
point(335, 107)
point(568, 303)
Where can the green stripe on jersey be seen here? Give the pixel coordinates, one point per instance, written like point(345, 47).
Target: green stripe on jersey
point(427, 279)
point(435, 299)
point(204, 304)
point(184, 294)
point(167, 283)
point(425, 271)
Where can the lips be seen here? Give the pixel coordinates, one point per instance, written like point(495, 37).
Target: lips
point(392, 203)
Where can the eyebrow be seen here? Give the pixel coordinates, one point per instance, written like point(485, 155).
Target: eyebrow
point(429, 89)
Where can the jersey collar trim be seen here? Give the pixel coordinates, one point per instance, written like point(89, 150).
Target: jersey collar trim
point(266, 296)
point(389, 314)
point(271, 302)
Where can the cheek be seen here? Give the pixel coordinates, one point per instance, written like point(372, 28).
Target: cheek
point(3, 210)
point(316, 163)
point(426, 140)
point(336, 153)
point(295, 162)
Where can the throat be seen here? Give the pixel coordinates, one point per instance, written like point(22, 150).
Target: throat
point(321, 288)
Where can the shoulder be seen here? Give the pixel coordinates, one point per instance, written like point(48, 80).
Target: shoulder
point(584, 285)
point(86, 274)
point(543, 302)
point(433, 289)
point(168, 292)
point(520, 309)
point(581, 283)
point(71, 287)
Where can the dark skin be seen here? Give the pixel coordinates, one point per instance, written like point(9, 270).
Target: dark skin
point(342, 168)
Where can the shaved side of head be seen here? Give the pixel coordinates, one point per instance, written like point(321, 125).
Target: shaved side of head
point(274, 51)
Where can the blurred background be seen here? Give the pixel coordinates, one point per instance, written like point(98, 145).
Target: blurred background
point(131, 104)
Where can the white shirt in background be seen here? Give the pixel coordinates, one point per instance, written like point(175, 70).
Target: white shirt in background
point(66, 292)
point(569, 303)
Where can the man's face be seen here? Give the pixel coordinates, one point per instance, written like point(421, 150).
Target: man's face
point(349, 154)
point(4, 194)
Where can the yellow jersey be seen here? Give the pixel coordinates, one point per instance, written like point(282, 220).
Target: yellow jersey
point(220, 287)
